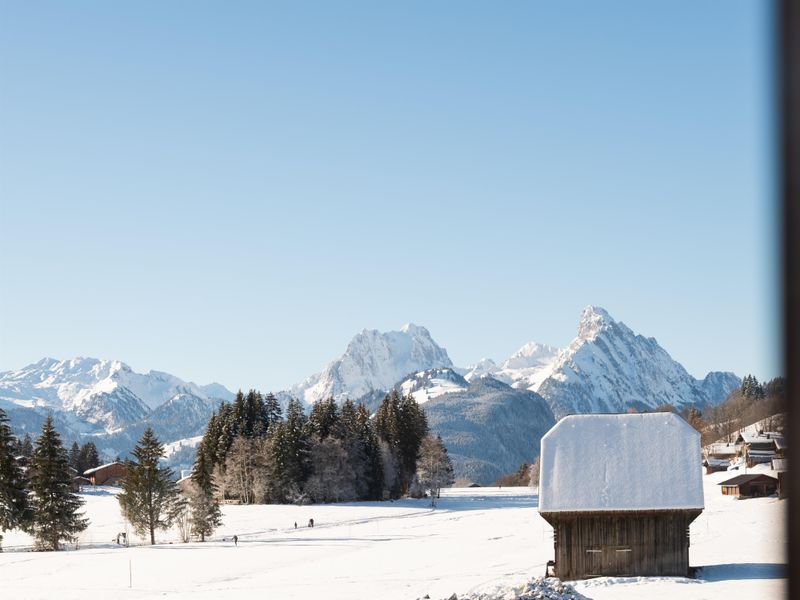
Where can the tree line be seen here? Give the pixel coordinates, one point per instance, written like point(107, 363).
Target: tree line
point(336, 453)
point(750, 403)
point(250, 453)
point(38, 499)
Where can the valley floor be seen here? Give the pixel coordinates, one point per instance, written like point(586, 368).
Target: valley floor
point(477, 539)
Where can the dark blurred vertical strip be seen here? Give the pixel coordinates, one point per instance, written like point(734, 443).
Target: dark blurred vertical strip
point(788, 28)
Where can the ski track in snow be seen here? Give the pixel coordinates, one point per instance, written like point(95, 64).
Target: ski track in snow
point(477, 539)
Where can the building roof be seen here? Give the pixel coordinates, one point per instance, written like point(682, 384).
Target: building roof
point(755, 437)
point(90, 471)
point(780, 464)
point(740, 479)
point(620, 462)
point(722, 449)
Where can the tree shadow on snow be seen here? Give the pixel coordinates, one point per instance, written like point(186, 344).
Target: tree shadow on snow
point(740, 571)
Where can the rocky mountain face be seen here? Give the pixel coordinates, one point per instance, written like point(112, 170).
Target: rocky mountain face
point(609, 368)
point(374, 361)
point(106, 401)
point(489, 428)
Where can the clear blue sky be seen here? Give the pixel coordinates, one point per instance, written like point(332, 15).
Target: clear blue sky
point(230, 191)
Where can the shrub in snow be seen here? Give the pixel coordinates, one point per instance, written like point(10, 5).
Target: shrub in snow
point(539, 588)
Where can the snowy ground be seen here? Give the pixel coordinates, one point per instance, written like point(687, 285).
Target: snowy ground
point(477, 540)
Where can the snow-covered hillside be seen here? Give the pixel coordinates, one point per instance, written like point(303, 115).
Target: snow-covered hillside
point(480, 540)
point(429, 384)
point(374, 361)
point(107, 400)
point(490, 428)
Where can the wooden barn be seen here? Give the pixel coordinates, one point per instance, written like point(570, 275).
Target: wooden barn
point(620, 492)
point(108, 474)
point(754, 485)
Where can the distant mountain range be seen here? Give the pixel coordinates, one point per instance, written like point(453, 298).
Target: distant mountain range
point(491, 416)
point(105, 401)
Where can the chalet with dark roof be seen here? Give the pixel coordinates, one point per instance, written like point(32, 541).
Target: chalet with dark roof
point(752, 485)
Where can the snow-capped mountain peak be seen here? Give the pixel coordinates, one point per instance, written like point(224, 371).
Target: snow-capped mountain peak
point(530, 355)
point(93, 393)
point(374, 360)
point(593, 320)
point(609, 368)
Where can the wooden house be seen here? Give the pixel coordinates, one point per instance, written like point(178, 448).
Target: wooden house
point(108, 474)
point(718, 456)
point(757, 447)
point(752, 485)
point(620, 492)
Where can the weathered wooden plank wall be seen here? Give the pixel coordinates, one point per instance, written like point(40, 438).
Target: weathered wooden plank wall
point(630, 543)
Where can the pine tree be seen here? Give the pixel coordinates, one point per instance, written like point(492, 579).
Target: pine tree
point(74, 457)
point(412, 429)
point(238, 416)
point(150, 498)
point(372, 450)
point(88, 458)
point(323, 418)
point(206, 515)
point(14, 508)
point(55, 507)
point(271, 412)
point(25, 446)
point(387, 427)
point(288, 453)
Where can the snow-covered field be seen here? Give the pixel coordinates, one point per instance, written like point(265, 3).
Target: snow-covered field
point(476, 540)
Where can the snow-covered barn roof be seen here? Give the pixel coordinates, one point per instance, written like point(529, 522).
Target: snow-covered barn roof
point(722, 449)
point(90, 471)
point(620, 462)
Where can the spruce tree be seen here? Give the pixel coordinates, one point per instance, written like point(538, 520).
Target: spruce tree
point(14, 509)
point(150, 498)
point(412, 429)
point(289, 453)
point(206, 515)
point(373, 467)
point(271, 411)
point(55, 507)
point(88, 458)
point(323, 418)
point(25, 446)
point(74, 457)
point(238, 414)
